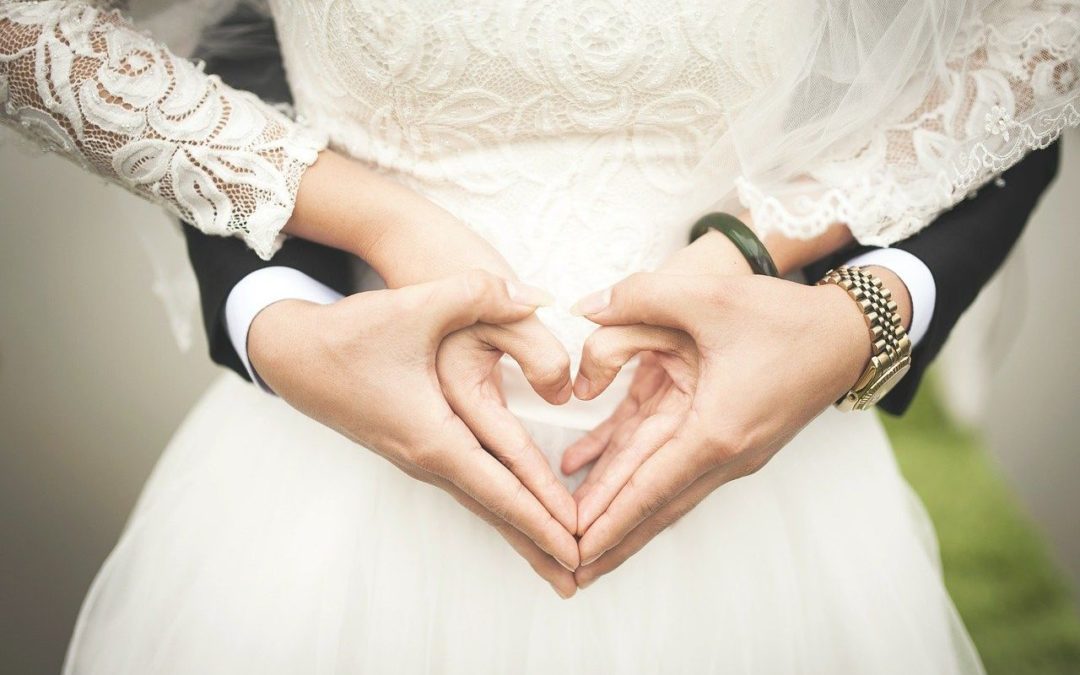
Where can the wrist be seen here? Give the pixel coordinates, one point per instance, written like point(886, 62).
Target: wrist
point(277, 336)
point(711, 253)
point(794, 254)
point(403, 236)
point(847, 337)
point(889, 356)
point(434, 248)
point(326, 210)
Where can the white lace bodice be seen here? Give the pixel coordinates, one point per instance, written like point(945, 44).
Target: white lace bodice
point(581, 137)
point(567, 133)
point(578, 136)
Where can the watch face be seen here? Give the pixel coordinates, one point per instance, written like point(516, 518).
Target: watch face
point(888, 380)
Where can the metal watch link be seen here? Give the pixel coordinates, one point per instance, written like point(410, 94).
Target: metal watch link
point(891, 352)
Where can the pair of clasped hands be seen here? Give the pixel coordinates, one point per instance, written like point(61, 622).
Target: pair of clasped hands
point(412, 373)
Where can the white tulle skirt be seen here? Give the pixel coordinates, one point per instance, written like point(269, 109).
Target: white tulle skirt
point(265, 543)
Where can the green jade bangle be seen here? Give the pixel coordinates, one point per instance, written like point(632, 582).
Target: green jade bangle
point(742, 236)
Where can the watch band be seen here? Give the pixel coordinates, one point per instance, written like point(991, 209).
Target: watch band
point(742, 236)
point(891, 348)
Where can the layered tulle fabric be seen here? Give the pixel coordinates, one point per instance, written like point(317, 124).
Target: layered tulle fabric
point(265, 543)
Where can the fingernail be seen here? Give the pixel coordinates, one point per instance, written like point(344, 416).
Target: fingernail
point(593, 303)
point(591, 560)
point(566, 565)
point(524, 294)
point(582, 386)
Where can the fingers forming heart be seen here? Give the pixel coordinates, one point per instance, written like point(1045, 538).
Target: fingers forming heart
point(467, 365)
point(655, 407)
point(608, 507)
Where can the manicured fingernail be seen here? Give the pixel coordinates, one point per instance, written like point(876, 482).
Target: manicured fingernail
point(524, 294)
point(591, 560)
point(566, 565)
point(593, 303)
point(582, 386)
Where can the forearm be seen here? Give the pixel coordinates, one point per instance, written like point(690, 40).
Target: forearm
point(794, 254)
point(234, 166)
point(85, 83)
point(405, 237)
point(715, 253)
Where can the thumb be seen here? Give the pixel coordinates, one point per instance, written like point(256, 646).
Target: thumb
point(609, 348)
point(471, 297)
point(667, 300)
point(541, 356)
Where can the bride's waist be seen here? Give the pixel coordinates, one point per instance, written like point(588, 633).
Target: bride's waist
point(483, 159)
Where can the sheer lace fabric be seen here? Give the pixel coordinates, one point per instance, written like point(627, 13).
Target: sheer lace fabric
point(82, 82)
point(568, 133)
point(875, 113)
point(1009, 83)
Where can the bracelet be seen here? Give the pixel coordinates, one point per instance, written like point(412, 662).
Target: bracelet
point(742, 236)
point(890, 350)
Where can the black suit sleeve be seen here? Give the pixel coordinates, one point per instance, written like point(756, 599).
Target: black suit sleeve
point(963, 248)
point(220, 262)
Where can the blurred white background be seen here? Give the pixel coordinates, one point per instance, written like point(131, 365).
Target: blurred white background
point(92, 383)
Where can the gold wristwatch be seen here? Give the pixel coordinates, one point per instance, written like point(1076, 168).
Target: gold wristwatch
point(891, 353)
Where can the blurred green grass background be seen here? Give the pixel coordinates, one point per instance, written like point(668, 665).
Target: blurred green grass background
point(1016, 604)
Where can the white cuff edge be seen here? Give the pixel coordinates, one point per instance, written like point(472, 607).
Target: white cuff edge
point(916, 276)
point(259, 290)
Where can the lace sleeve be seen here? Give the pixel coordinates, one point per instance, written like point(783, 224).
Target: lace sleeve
point(81, 81)
point(1010, 84)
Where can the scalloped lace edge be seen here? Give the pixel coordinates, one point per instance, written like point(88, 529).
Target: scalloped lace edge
point(880, 209)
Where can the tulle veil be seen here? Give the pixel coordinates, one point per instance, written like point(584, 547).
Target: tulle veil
point(183, 24)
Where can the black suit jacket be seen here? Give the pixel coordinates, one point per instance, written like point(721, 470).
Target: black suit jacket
point(963, 247)
point(220, 262)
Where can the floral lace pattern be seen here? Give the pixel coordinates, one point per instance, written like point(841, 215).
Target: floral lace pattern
point(578, 136)
point(80, 81)
point(1013, 85)
point(569, 133)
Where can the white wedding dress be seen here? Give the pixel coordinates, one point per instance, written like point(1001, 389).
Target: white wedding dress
point(574, 136)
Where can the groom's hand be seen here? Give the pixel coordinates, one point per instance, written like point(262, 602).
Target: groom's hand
point(760, 358)
point(366, 367)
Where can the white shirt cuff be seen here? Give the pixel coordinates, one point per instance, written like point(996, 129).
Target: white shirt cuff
point(915, 275)
point(259, 290)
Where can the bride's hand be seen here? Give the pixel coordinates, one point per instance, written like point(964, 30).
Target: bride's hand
point(369, 372)
point(760, 357)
